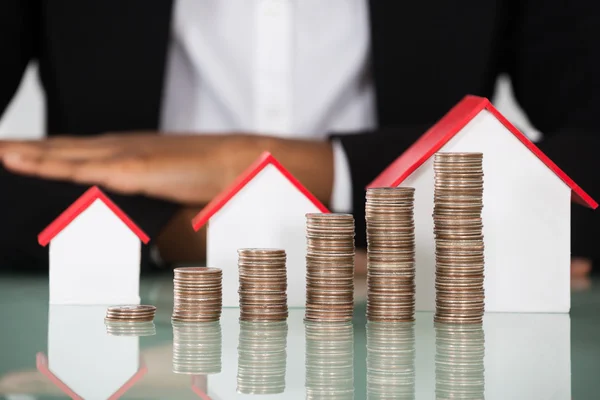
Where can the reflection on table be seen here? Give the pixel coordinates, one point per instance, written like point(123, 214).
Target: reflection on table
point(390, 360)
point(216, 361)
point(329, 360)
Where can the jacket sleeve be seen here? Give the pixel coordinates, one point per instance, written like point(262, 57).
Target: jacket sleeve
point(18, 24)
point(553, 59)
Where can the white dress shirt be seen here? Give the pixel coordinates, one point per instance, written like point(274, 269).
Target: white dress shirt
point(287, 68)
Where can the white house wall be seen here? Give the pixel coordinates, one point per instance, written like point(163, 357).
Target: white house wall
point(95, 260)
point(526, 217)
point(269, 212)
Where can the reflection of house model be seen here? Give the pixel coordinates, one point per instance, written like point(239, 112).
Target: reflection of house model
point(83, 360)
point(526, 212)
point(95, 253)
point(265, 207)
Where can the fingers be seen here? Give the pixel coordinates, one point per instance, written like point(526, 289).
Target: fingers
point(64, 147)
point(118, 175)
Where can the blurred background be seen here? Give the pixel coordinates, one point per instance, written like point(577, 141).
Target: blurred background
point(24, 118)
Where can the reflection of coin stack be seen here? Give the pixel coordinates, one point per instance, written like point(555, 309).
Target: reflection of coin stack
point(458, 203)
point(197, 294)
point(329, 360)
point(263, 285)
point(329, 267)
point(114, 328)
point(197, 348)
point(391, 254)
point(390, 360)
point(459, 361)
point(262, 357)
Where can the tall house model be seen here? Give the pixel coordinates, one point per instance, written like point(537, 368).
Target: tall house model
point(526, 209)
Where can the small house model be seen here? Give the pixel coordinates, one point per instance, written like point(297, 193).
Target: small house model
point(526, 209)
point(264, 207)
point(95, 252)
point(83, 360)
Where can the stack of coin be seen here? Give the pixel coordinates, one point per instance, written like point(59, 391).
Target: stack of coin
point(197, 348)
point(116, 328)
point(130, 313)
point(329, 267)
point(263, 285)
point(198, 294)
point(329, 360)
point(390, 254)
point(458, 227)
point(262, 357)
point(390, 360)
point(459, 361)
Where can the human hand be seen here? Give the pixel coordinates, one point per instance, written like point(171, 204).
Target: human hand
point(188, 169)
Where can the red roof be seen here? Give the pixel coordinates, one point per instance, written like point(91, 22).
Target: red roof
point(445, 129)
point(81, 204)
point(42, 366)
point(221, 199)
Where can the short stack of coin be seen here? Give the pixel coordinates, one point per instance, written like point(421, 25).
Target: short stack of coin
point(197, 294)
point(263, 285)
point(329, 360)
point(458, 227)
point(116, 328)
point(197, 348)
point(262, 357)
point(329, 267)
point(390, 254)
point(459, 361)
point(130, 313)
point(390, 360)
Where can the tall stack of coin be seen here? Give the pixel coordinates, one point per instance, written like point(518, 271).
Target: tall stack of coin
point(459, 361)
point(262, 357)
point(390, 254)
point(329, 267)
point(458, 202)
point(329, 360)
point(390, 360)
point(197, 348)
point(198, 294)
point(263, 284)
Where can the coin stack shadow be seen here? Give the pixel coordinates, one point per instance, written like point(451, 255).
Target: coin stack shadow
point(329, 267)
point(198, 295)
point(329, 360)
point(459, 361)
point(263, 285)
point(458, 228)
point(197, 348)
point(390, 360)
point(262, 357)
point(391, 254)
point(114, 328)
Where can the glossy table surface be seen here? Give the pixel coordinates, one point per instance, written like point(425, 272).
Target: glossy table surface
point(56, 352)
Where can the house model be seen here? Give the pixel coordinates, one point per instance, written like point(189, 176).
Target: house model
point(526, 209)
point(264, 207)
point(84, 361)
point(95, 252)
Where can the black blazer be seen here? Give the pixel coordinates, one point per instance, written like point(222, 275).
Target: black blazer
point(102, 65)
